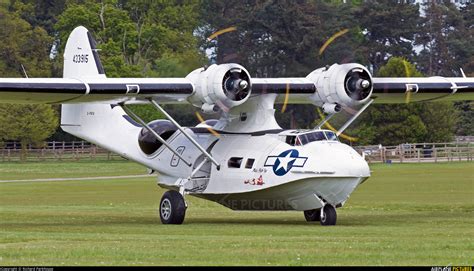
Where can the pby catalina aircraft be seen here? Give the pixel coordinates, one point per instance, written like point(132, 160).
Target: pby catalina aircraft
point(244, 160)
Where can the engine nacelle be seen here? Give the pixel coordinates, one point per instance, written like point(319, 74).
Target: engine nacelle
point(345, 84)
point(220, 87)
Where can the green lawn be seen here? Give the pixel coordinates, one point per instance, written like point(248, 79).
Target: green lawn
point(406, 214)
point(21, 171)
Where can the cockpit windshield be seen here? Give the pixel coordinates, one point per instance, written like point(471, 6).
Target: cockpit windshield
point(308, 137)
point(311, 137)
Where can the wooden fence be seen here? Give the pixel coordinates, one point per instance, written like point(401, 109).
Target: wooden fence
point(404, 153)
point(419, 152)
point(57, 151)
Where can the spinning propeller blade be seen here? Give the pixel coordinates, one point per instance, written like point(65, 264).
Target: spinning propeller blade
point(357, 85)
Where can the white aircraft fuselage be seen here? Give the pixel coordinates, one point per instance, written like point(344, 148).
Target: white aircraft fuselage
point(274, 170)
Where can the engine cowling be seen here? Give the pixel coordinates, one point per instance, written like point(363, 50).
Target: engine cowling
point(220, 87)
point(345, 84)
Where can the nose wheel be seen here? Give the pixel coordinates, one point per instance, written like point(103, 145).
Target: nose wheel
point(327, 215)
point(172, 208)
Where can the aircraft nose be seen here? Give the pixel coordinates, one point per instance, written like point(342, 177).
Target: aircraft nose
point(340, 159)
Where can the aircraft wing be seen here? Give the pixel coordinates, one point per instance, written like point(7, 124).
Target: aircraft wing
point(351, 84)
point(225, 85)
point(291, 86)
point(416, 89)
point(129, 90)
point(101, 90)
point(177, 90)
point(84, 81)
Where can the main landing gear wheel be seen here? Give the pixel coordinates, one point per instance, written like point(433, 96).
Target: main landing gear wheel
point(329, 216)
point(312, 215)
point(172, 208)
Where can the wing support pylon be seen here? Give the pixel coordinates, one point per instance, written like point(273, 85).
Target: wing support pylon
point(328, 117)
point(353, 118)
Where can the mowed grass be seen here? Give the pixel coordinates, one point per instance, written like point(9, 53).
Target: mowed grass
point(406, 214)
point(25, 171)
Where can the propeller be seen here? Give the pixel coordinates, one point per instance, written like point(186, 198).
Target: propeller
point(358, 84)
point(236, 84)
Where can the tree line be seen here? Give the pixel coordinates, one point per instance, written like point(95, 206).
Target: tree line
point(269, 37)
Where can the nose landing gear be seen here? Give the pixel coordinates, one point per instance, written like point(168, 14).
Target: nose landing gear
point(327, 215)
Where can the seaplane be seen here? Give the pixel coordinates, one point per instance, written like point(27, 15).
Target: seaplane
point(244, 160)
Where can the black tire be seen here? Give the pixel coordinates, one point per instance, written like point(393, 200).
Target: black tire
point(329, 215)
point(172, 208)
point(312, 215)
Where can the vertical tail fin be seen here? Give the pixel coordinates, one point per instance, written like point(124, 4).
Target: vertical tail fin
point(101, 124)
point(81, 59)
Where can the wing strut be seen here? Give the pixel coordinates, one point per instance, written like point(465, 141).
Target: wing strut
point(194, 142)
point(131, 113)
point(324, 121)
point(353, 118)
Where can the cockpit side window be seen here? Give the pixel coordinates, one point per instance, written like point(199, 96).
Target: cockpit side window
point(331, 136)
point(311, 137)
point(290, 140)
point(319, 136)
point(303, 139)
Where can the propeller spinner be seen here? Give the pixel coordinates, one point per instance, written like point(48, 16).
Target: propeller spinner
point(358, 84)
point(236, 84)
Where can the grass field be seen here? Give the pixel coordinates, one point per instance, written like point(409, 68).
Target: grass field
point(406, 214)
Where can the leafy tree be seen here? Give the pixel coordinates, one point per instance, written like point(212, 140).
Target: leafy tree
point(389, 30)
point(444, 39)
point(281, 38)
point(465, 125)
point(24, 45)
point(440, 119)
point(138, 38)
point(401, 123)
point(39, 13)
point(29, 124)
point(29, 46)
point(273, 38)
point(399, 67)
point(466, 38)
